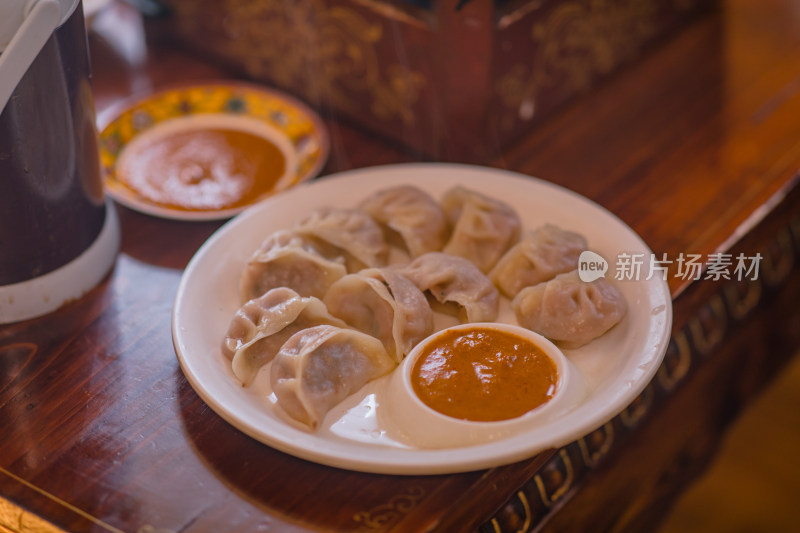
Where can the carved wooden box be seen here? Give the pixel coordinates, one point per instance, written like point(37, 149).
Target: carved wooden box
point(453, 79)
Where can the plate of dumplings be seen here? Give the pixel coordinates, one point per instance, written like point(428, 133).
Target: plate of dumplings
point(292, 320)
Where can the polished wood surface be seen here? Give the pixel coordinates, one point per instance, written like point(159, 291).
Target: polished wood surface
point(696, 146)
point(753, 482)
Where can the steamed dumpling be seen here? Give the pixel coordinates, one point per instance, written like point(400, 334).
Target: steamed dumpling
point(320, 366)
point(483, 228)
point(385, 304)
point(411, 214)
point(541, 255)
point(286, 259)
point(453, 279)
point(262, 325)
point(351, 230)
point(570, 311)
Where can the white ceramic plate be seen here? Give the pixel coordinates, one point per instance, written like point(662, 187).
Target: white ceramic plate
point(616, 367)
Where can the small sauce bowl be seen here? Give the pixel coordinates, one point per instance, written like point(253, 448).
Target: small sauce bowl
point(413, 421)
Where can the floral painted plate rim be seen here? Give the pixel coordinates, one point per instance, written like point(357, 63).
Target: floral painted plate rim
point(287, 116)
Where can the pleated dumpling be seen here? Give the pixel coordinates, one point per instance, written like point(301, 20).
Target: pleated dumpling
point(453, 279)
point(569, 311)
point(352, 231)
point(320, 366)
point(287, 259)
point(385, 304)
point(262, 325)
point(483, 228)
point(539, 256)
point(411, 216)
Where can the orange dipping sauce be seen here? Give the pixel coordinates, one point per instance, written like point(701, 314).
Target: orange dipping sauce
point(483, 375)
point(199, 166)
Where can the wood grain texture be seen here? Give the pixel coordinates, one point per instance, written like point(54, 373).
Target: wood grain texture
point(690, 146)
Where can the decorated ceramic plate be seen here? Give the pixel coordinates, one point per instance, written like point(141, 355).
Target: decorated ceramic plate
point(207, 152)
point(362, 433)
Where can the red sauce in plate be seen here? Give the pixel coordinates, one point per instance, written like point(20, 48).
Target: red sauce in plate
point(483, 375)
point(201, 168)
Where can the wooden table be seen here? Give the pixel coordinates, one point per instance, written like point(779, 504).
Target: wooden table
point(696, 146)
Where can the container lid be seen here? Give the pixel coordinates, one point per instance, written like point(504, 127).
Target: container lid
point(13, 13)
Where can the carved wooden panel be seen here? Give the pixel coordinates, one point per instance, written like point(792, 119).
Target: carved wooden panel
point(456, 81)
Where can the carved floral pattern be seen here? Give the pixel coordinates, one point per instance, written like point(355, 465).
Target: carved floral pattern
point(325, 53)
point(575, 43)
point(380, 516)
